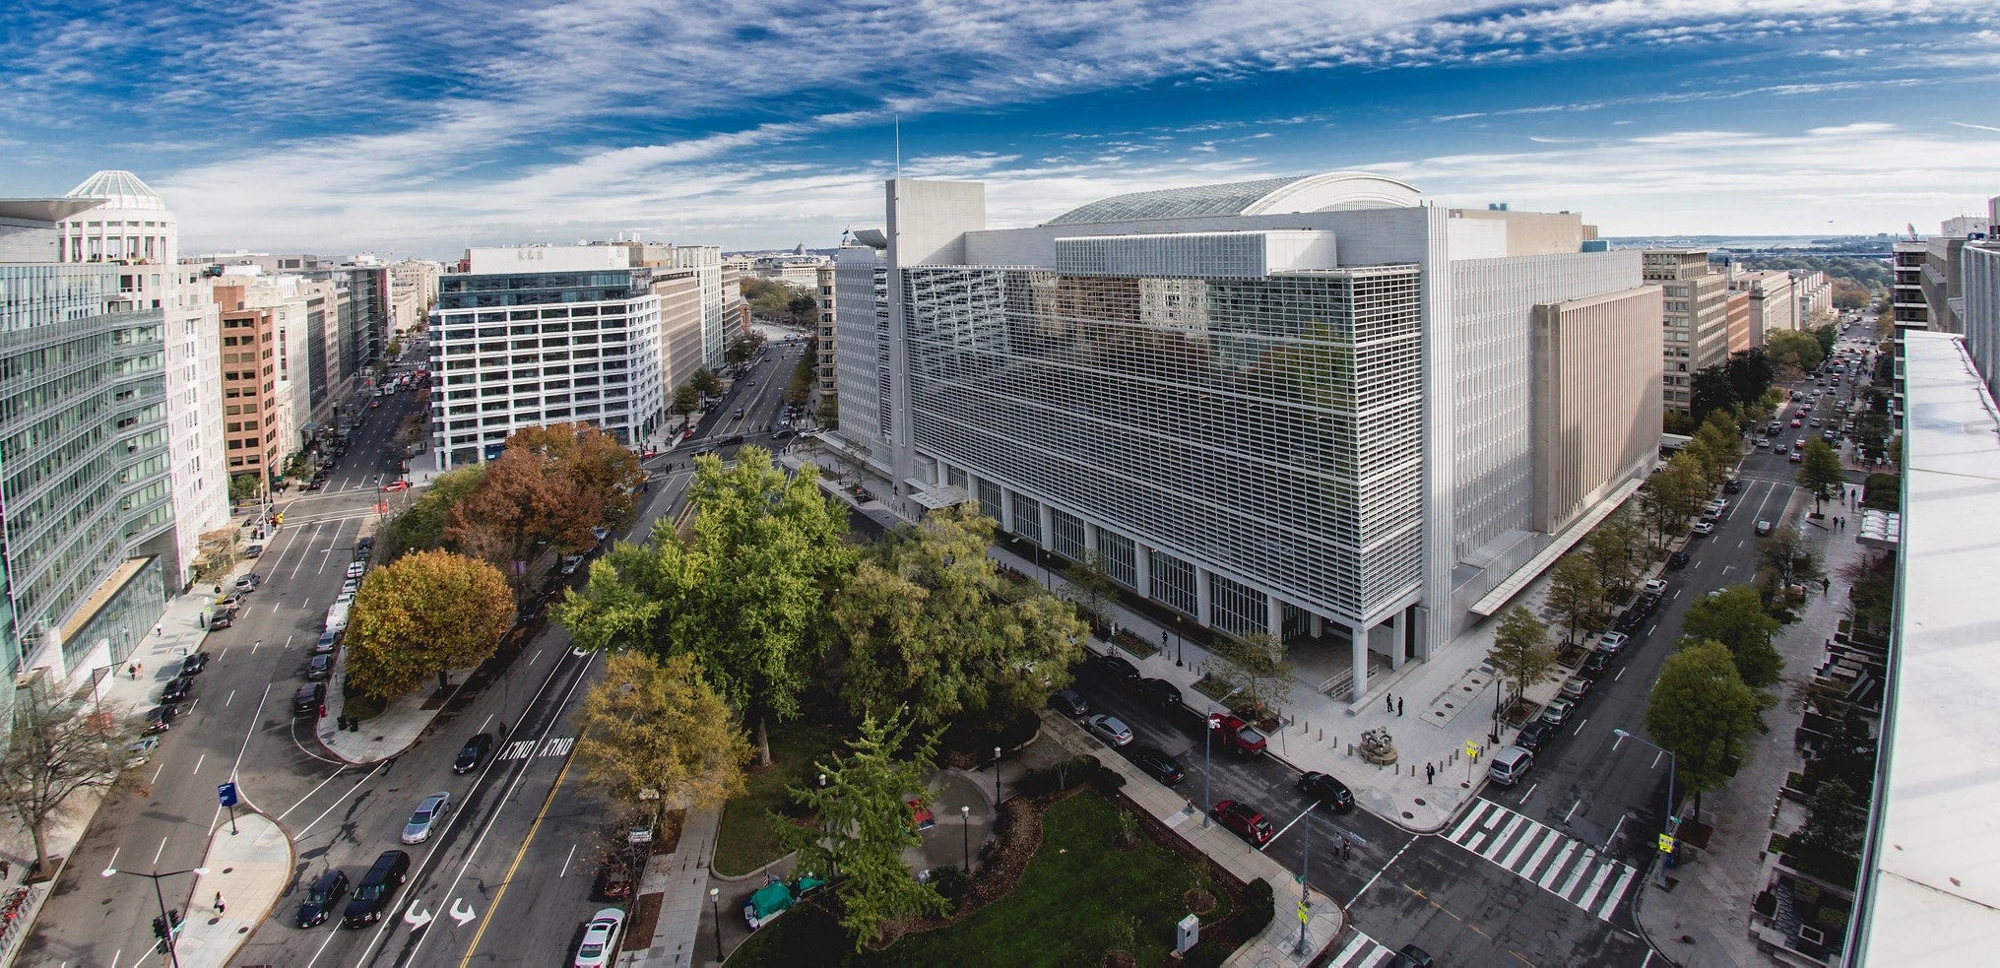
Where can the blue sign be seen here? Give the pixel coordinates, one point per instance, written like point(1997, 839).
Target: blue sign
point(226, 792)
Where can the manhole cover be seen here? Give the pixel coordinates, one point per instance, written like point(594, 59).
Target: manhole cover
point(1420, 802)
point(1408, 815)
point(1449, 706)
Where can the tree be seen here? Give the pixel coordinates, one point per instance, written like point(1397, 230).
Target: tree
point(1701, 709)
point(1820, 471)
point(1718, 447)
point(1794, 351)
point(828, 414)
point(1709, 392)
point(1828, 844)
point(1871, 435)
point(704, 381)
point(522, 506)
point(243, 487)
point(57, 749)
point(1749, 375)
point(862, 826)
point(1576, 596)
point(925, 625)
point(686, 401)
point(1520, 654)
point(745, 593)
point(1672, 495)
point(653, 731)
point(426, 613)
point(420, 526)
point(604, 472)
point(1735, 617)
point(1254, 667)
point(1093, 584)
point(1618, 550)
point(1786, 560)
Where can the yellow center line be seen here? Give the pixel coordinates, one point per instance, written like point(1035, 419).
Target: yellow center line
point(508, 879)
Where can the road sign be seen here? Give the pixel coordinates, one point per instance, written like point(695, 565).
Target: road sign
point(1666, 843)
point(1471, 748)
point(226, 792)
point(1305, 912)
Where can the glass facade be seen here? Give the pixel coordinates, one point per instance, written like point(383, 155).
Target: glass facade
point(1266, 426)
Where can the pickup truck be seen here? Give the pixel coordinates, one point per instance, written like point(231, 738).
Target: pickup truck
point(1240, 737)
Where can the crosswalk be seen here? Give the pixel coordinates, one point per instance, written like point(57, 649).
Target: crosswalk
point(1360, 951)
point(524, 748)
point(1555, 862)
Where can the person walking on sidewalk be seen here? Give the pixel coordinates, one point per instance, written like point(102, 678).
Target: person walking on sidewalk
point(219, 907)
point(1389, 703)
point(1399, 707)
point(1430, 774)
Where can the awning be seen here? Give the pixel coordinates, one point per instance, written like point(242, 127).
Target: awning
point(1577, 531)
point(936, 497)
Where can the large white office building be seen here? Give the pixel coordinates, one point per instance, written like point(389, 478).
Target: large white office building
point(541, 335)
point(1315, 406)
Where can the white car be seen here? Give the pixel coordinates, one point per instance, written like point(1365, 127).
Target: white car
point(356, 569)
point(1657, 586)
point(425, 818)
point(600, 939)
point(1110, 729)
point(1702, 527)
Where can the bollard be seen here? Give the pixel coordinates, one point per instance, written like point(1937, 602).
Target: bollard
point(1350, 749)
point(1322, 738)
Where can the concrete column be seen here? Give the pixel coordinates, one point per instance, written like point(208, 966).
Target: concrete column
point(1089, 536)
point(1204, 597)
point(1359, 635)
point(1007, 511)
point(1276, 613)
point(1048, 525)
point(1318, 626)
point(1396, 630)
point(1142, 566)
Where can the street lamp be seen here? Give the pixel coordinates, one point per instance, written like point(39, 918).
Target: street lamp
point(1207, 746)
point(996, 777)
point(715, 908)
point(1494, 736)
point(965, 828)
point(1666, 822)
point(165, 918)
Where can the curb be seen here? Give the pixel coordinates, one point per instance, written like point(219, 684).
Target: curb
point(739, 878)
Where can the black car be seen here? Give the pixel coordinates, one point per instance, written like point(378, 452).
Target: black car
point(1327, 790)
point(1157, 764)
point(309, 699)
point(1160, 691)
point(192, 665)
point(1111, 667)
point(177, 689)
point(1631, 619)
point(325, 892)
point(1067, 702)
point(160, 719)
point(371, 896)
point(1533, 735)
point(1732, 485)
point(1646, 603)
point(360, 543)
point(470, 755)
point(1677, 560)
point(1596, 663)
point(320, 667)
point(1410, 956)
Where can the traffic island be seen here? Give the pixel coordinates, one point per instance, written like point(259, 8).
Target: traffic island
point(249, 863)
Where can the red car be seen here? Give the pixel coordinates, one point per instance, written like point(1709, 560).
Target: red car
point(1244, 820)
point(1796, 422)
point(372, 404)
point(396, 486)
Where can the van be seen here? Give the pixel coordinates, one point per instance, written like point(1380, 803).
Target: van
point(371, 896)
point(336, 617)
point(1509, 765)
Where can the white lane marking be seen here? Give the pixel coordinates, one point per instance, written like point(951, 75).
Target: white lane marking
point(565, 867)
point(157, 853)
point(199, 760)
point(226, 699)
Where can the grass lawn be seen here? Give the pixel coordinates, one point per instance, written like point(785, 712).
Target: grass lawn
point(745, 840)
point(1065, 911)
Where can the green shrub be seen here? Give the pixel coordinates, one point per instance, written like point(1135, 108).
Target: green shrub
point(1258, 909)
point(951, 882)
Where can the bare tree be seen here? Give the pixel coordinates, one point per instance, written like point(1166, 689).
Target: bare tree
point(58, 748)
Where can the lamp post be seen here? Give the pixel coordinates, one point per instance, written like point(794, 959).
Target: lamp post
point(165, 918)
point(965, 829)
point(1498, 687)
point(996, 777)
point(1207, 760)
point(715, 908)
point(1305, 886)
point(1667, 822)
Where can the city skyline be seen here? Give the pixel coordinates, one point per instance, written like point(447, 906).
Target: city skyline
point(338, 127)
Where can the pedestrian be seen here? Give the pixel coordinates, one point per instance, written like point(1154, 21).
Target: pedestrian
point(1430, 773)
point(1399, 707)
point(131, 670)
point(219, 906)
point(1389, 702)
point(159, 628)
point(1346, 847)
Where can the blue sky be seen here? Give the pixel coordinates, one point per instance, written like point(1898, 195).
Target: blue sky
point(418, 128)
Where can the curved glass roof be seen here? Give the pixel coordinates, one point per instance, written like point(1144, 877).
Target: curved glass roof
point(1326, 191)
point(119, 189)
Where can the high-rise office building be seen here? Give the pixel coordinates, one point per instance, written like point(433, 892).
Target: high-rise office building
point(1907, 294)
point(1311, 406)
point(1695, 333)
point(543, 335)
point(825, 379)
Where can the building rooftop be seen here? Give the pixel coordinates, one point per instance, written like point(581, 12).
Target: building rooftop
point(119, 189)
point(1324, 192)
point(1931, 874)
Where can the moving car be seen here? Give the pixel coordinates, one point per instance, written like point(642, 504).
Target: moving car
point(570, 564)
point(1110, 729)
point(600, 939)
point(425, 818)
point(1327, 790)
point(396, 486)
point(1067, 702)
point(1244, 820)
point(371, 897)
point(470, 755)
point(325, 892)
point(1763, 528)
point(1409, 956)
point(1157, 764)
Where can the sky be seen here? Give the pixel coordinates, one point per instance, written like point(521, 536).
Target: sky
point(337, 126)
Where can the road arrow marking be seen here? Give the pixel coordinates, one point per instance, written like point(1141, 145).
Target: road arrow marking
point(462, 917)
point(415, 918)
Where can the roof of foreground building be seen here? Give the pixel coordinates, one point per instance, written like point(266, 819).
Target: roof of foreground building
point(1325, 192)
point(119, 189)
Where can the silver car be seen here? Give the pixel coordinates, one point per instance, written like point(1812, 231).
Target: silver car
point(1109, 729)
point(434, 806)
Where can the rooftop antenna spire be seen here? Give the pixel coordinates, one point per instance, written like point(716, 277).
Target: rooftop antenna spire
point(899, 147)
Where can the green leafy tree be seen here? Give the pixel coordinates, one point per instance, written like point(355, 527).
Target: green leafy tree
point(1254, 667)
point(705, 381)
point(1093, 584)
point(654, 732)
point(1718, 446)
point(1794, 353)
point(686, 401)
point(745, 592)
point(426, 613)
point(828, 414)
point(1820, 471)
point(1703, 711)
point(1575, 595)
point(1672, 495)
point(1520, 652)
point(1785, 559)
point(861, 827)
point(925, 625)
point(243, 488)
point(1735, 618)
point(1871, 435)
point(1710, 392)
point(1828, 844)
point(420, 526)
point(1618, 551)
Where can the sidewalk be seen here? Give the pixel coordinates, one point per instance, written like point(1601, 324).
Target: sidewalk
point(681, 881)
point(250, 868)
point(1703, 918)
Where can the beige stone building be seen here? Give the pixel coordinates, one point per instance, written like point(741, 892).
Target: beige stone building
point(1695, 319)
point(1596, 413)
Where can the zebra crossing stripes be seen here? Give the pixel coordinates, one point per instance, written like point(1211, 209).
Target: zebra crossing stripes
point(524, 748)
point(1555, 862)
point(1361, 951)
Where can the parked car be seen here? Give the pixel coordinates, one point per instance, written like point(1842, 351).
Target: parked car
point(1157, 764)
point(223, 618)
point(319, 667)
point(1702, 527)
point(1331, 792)
point(1160, 691)
point(1111, 667)
point(1244, 820)
point(1509, 764)
point(424, 818)
point(1630, 619)
point(249, 582)
point(1067, 702)
point(356, 569)
point(254, 551)
point(1763, 528)
point(1611, 642)
point(1732, 485)
point(177, 689)
point(371, 896)
point(1557, 711)
point(192, 665)
point(325, 892)
point(1646, 603)
point(1575, 689)
point(1656, 586)
point(1110, 729)
point(1595, 664)
point(328, 641)
point(364, 543)
point(474, 751)
point(1533, 735)
point(159, 720)
point(350, 586)
point(1238, 736)
point(1677, 560)
point(1409, 956)
point(600, 939)
point(570, 563)
point(309, 700)
point(1798, 457)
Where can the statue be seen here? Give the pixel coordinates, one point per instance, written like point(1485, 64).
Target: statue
point(1377, 747)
